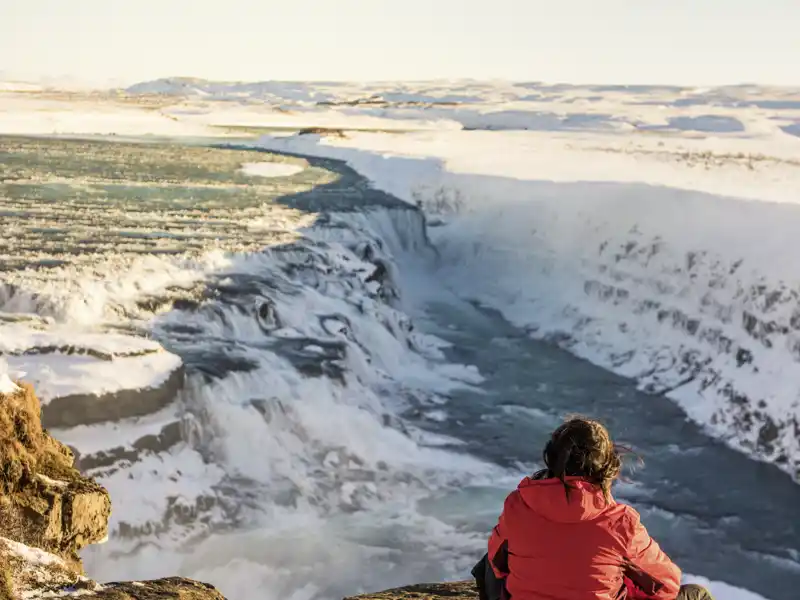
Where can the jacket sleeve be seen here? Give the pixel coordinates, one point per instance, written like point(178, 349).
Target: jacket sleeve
point(498, 544)
point(647, 567)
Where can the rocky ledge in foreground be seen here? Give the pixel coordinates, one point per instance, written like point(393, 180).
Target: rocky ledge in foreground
point(463, 590)
point(49, 511)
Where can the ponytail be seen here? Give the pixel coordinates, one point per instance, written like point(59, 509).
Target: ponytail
point(583, 448)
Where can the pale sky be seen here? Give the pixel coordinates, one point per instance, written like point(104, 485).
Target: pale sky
point(693, 42)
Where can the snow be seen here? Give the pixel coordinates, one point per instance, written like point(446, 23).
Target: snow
point(52, 482)
point(92, 439)
point(31, 556)
point(35, 570)
point(18, 337)
point(58, 376)
point(270, 169)
point(32, 114)
point(7, 386)
point(39, 574)
point(63, 362)
point(19, 86)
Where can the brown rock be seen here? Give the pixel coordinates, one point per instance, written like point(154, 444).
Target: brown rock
point(171, 587)
point(49, 511)
point(45, 503)
point(464, 590)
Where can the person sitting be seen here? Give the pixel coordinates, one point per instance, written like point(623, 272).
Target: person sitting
point(562, 536)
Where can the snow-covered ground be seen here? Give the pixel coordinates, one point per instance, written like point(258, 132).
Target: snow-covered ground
point(65, 363)
point(648, 229)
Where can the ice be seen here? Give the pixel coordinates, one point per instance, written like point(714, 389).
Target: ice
point(270, 169)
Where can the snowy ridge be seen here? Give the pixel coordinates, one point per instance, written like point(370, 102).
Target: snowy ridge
point(192, 107)
point(497, 106)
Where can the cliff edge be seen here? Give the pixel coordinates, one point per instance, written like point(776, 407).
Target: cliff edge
point(460, 590)
point(49, 511)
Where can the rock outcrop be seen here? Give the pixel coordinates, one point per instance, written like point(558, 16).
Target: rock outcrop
point(460, 590)
point(49, 511)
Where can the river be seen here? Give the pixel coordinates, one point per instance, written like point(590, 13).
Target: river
point(714, 511)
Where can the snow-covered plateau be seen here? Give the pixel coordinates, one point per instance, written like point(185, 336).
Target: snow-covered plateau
point(228, 324)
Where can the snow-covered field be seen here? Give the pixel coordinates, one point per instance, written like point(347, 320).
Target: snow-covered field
point(648, 229)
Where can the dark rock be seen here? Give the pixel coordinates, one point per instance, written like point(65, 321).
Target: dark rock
point(324, 131)
point(45, 501)
point(465, 590)
point(768, 433)
point(743, 357)
point(169, 436)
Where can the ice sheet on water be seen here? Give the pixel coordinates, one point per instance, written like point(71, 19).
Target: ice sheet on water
point(270, 169)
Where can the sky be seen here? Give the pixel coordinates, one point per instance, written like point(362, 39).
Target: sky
point(692, 42)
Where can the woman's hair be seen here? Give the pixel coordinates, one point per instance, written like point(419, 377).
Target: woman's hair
point(582, 447)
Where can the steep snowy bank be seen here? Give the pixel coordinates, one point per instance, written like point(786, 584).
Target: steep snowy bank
point(694, 295)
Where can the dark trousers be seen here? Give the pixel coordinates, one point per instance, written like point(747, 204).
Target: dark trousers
point(693, 591)
point(492, 588)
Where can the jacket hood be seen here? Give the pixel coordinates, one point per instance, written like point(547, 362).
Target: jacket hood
point(548, 499)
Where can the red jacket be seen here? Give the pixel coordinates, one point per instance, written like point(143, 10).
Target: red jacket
point(581, 549)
